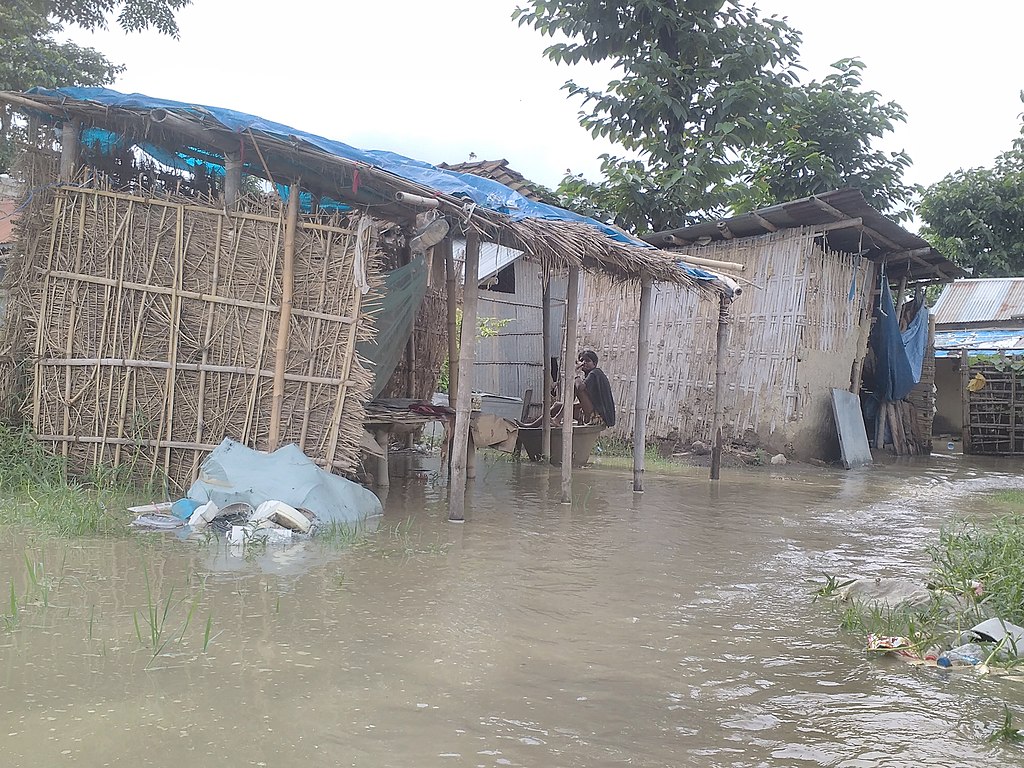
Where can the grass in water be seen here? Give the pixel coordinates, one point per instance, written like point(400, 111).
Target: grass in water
point(36, 490)
point(1006, 731)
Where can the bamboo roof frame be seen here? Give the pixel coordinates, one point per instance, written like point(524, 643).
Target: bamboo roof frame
point(559, 245)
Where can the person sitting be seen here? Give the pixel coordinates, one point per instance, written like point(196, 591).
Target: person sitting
point(594, 398)
point(593, 401)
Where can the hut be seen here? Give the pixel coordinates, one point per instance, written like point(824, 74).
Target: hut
point(160, 308)
point(812, 271)
point(980, 338)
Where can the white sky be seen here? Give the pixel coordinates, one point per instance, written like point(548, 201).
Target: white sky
point(439, 80)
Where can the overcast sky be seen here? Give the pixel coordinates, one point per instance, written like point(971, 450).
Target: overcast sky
point(440, 80)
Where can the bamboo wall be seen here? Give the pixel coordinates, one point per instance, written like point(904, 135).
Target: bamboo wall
point(794, 335)
point(153, 326)
point(512, 361)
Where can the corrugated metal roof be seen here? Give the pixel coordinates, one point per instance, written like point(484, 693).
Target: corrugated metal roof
point(877, 236)
point(979, 301)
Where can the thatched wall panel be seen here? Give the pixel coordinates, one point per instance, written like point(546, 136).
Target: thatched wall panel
point(793, 335)
point(152, 330)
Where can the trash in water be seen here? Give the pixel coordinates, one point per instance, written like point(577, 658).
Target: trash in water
point(155, 521)
point(283, 515)
point(184, 508)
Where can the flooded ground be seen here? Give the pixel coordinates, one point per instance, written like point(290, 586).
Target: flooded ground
point(673, 628)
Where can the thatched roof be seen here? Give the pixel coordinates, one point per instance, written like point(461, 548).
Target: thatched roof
point(849, 223)
point(363, 179)
point(501, 172)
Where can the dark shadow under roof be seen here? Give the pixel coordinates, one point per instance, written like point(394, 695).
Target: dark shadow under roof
point(851, 224)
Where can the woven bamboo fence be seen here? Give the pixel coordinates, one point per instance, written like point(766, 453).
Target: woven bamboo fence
point(794, 334)
point(152, 329)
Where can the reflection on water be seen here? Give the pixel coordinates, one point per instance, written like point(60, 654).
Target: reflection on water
point(672, 628)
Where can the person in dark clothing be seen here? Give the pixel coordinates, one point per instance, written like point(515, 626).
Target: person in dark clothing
point(593, 395)
point(593, 392)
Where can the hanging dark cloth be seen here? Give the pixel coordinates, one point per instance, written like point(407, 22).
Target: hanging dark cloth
point(600, 391)
point(894, 370)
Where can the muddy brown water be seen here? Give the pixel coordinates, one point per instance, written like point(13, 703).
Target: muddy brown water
point(673, 628)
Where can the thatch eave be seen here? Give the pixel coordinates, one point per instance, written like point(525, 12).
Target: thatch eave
point(559, 244)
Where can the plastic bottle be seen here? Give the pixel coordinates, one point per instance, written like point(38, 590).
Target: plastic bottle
point(962, 656)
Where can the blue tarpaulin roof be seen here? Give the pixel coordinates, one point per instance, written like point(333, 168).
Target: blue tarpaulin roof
point(485, 193)
point(1007, 340)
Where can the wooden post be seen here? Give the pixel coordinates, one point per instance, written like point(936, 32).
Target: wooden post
point(70, 141)
point(285, 316)
point(643, 350)
point(467, 354)
point(569, 379)
point(232, 178)
point(965, 401)
point(451, 280)
point(720, 350)
point(545, 324)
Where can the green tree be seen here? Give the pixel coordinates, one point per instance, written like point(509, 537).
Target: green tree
point(975, 217)
point(31, 55)
point(825, 142)
point(698, 81)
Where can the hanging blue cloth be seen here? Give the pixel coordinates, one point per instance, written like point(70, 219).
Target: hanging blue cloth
point(894, 373)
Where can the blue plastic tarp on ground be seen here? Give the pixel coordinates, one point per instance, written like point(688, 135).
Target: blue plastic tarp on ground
point(485, 193)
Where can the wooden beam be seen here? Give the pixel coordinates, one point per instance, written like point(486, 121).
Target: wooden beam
point(642, 405)
point(907, 254)
point(721, 344)
point(232, 178)
point(70, 144)
point(965, 401)
point(545, 422)
point(829, 209)
point(467, 355)
point(569, 379)
point(844, 224)
point(764, 222)
point(451, 282)
point(284, 316)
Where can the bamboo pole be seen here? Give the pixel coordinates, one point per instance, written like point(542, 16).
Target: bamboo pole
point(207, 340)
point(451, 280)
point(643, 350)
point(285, 316)
point(965, 402)
point(720, 351)
point(37, 390)
point(467, 354)
point(72, 317)
point(545, 419)
point(70, 142)
point(569, 379)
point(232, 178)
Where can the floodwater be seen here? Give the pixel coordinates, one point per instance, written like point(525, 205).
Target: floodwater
point(667, 629)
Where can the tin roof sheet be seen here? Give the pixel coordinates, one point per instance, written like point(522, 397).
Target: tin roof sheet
point(980, 300)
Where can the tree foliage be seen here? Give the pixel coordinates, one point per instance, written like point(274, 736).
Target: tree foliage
point(708, 106)
point(976, 217)
point(31, 55)
point(826, 138)
point(698, 82)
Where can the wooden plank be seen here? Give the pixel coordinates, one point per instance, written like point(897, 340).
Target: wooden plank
point(284, 317)
point(461, 441)
point(643, 353)
point(569, 380)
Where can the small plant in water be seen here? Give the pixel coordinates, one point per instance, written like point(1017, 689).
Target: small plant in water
point(1006, 731)
point(833, 584)
point(159, 622)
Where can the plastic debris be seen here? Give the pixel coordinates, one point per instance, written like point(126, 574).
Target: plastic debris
point(968, 655)
point(898, 645)
point(155, 521)
point(283, 515)
point(183, 508)
point(203, 515)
